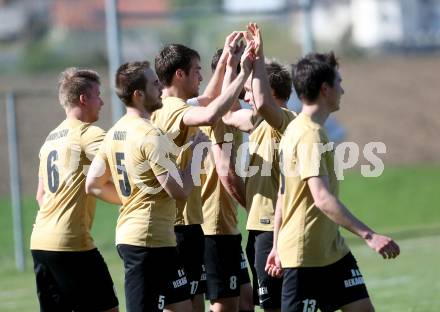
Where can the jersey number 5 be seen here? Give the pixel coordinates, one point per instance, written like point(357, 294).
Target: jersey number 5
point(124, 185)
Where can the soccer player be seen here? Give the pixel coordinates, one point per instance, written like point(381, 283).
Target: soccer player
point(227, 278)
point(268, 92)
point(71, 274)
point(137, 155)
point(178, 68)
point(319, 271)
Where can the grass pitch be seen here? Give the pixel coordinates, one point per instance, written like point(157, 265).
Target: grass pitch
point(402, 202)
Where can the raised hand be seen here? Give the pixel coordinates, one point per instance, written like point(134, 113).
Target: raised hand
point(247, 59)
point(231, 41)
point(235, 54)
point(383, 245)
point(254, 34)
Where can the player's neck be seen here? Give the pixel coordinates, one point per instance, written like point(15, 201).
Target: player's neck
point(174, 91)
point(280, 103)
point(318, 113)
point(75, 113)
point(138, 112)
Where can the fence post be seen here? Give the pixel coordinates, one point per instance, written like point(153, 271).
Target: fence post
point(14, 173)
point(113, 53)
point(308, 44)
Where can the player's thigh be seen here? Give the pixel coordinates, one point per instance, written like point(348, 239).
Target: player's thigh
point(246, 302)
point(299, 290)
point(250, 254)
point(191, 247)
point(269, 288)
point(141, 284)
point(198, 302)
point(223, 272)
point(174, 290)
point(49, 294)
point(182, 306)
point(362, 305)
point(343, 285)
point(84, 278)
point(225, 305)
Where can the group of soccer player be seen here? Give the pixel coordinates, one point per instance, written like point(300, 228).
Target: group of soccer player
point(177, 227)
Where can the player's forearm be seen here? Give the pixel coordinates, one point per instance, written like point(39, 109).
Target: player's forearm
point(188, 181)
point(222, 104)
point(277, 221)
point(230, 75)
point(241, 123)
point(234, 185)
point(106, 192)
point(262, 91)
point(260, 86)
point(214, 87)
point(338, 213)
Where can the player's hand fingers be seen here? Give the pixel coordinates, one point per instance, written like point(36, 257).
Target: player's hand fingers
point(279, 273)
point(231, 37)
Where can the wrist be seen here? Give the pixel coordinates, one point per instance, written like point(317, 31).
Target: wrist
point(223, 58)
point(367, 235)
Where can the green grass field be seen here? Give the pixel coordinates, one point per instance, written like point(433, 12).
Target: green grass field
point(402, 202)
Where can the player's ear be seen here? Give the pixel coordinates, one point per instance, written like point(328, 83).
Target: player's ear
point(179, 73)
point(137, 93)
point(82, 99)
point(325, 88)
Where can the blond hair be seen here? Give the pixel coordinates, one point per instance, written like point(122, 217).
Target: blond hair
point(73, 82)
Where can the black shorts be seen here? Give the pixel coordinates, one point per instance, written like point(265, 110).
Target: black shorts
point(226, 266)
point(154, 277)
point(266, 289)
point(73, 281)
point(191, 249)
point(327, 288)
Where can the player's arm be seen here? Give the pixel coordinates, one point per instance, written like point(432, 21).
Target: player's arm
point(99, 182)
point(177, 190)
point(233, 60)
point(214, 87)
point(262, 92)
point(338, 213)
point(209, 115)
point(273, 263)
point(40, 191)
point(225, 167)
point(241, 119)
point(179, 184)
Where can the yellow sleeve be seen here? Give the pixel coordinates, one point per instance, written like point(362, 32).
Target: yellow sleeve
point(219, 133)
point(176, 128)
point(311, 159)
point(101, 152)
point(91, 140)
point(156, 151)
point(287, 116)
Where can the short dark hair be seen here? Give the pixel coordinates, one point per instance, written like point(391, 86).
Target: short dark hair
point(129, 78)
point(280, 79)
point(215, 59)
point(73, 82)
point(171, 58)
point(310, 72)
